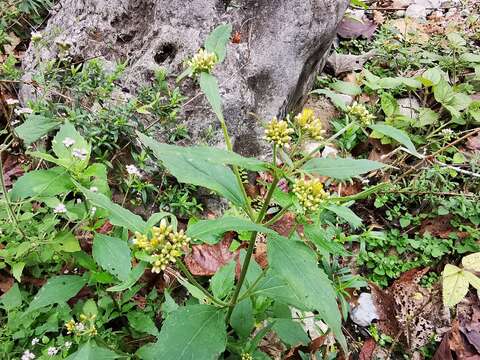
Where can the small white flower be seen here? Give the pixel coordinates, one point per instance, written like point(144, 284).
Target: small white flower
point(60, 209)
point(93, 210)
point(68, 142)
point(132, 170)
point(36, 36)
point(93, 189)
point(15, 122)
point(79, 201)
point(35, 341)
point(52, 351)
point(67, 344)
point(27, 355)
point(22, 111)
point(12, 102)
point(79, 327)
point(80, 153)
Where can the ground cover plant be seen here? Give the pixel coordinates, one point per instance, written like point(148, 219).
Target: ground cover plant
point(107, 251)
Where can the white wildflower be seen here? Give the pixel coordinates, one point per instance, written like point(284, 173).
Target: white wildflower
point(67, 344)
point(36, 36)
point(60, 209)
point(27, 355)
point(35, 341)
point(14, 122)
point(79, 201)
point(68, 142)
point(93, 210)
point(132, 170)
point(93, 189)
point(22, 111)
point(80, 153)
point(12, 101)
point(52, 350)
point(79, 327)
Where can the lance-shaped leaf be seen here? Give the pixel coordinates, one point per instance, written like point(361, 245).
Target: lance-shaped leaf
point(296, 264)
point(218, 39)
point(34, 127)
point(191, 332)
point(396, 134)
point(49, 182)
point(341, 168)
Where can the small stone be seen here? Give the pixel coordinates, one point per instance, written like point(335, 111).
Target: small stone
point(346, 98)
point(408, 107)
point(365, 312)
point(415, 11)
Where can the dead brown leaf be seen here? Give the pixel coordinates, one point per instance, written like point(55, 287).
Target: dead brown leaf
point(440, 227)
point(284, 225)
point(352, 28)
point(12, 168)
point(367, 349)
point(473, 142)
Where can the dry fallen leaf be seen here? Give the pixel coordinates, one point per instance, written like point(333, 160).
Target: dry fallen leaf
point(352, 28)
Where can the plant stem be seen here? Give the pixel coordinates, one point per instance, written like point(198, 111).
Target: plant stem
point(251, 244)
point(278, 216)
point(190, 278)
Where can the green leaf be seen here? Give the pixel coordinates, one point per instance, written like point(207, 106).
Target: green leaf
point(117, 215)
point(341, 168)
point(57, 290)
point(169, 305)
point(68, 131)
point(432, 76)
point(142, 322)
point(218, 39)
point(346, 214)
point(472, 262)
point(458, 158)
point(222, 282)
point(336, 99)
point(135, 274)
point(202, 153)
point(456, 40)
point(426, 117)
point(209, 86)
point(455, 285)
point(43, 183)
point(470, 58)
point(290, 332)
point(191, 170)
point(472, 279)
point(443, 92)
point(296, 264)
point(35, 127)
point(204, 229)
point(113, 255)
point(66, 241)
point(389, 104)
point(316, 234)
point(344, 87)
point(242, 320)
point(396, 134)
point(191, 332)
point(12, 298)
point(91, 351)
point(17, 270)
point(276, 288)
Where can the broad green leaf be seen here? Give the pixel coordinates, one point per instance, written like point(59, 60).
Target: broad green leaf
point(344, 87)
point(389, 104)
point(456, 40)
point(117, 215)
point(316, 234)
point(190, 169)
point(12, 298)
point(193, 332)
point(209, 86)
point(278, 289)
point(242, 320)
point(113, 255)
point(91, 351)
point(472, 262)
point(432, 76)
point(193, 290)
point(336, 99)
point(426, 117)
point(297, 265)
point(443, 92)
point(290, 332)
point(169, 305)
point(141, 322)
point(474, 110)
point(341, 168)
point(202, 153)
point(222, 282)
point(472, 279)
point(203, 229)
point(396, 134)
point(17, 270)
point(135, 274)
point(34, 127)
point(455, 285)
point(63, 149)
point(346, 214)
point(218, 39)
point(470, 58)
point(43, 183)
point(66, 241)
point(57, 290)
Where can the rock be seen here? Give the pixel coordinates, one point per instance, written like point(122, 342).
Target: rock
point(365, 311)
point(282, 47)
point(409, 107)
point(416, 11)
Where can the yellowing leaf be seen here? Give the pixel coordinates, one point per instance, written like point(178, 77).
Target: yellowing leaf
point(472, 262)
point(455, 285)
point(472, 279)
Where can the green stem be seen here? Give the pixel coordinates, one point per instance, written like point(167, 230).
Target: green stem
point(251, 244)
point(251, 289)
point(278, 215)
point(190, 278)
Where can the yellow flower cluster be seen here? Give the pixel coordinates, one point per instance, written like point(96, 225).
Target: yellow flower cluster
point(246, 356)
point(360, 112)
point(309, 193)
point(278, 132)
point(311, 125)
point(86, 326)
point(164, 245)
point(203, 61)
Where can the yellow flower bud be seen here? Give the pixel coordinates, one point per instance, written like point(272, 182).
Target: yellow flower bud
point(278, 132)
point(203, 61)
point(309, 193)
